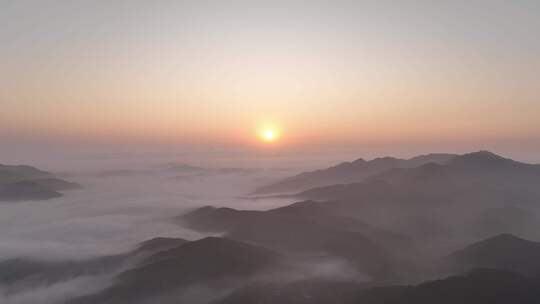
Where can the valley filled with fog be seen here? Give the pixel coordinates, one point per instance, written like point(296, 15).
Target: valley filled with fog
point(216, 229)
point(118, 205)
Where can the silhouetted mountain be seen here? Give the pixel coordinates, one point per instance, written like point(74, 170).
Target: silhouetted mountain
point(437, 158)
point(484, 159)
point(28, 183)
point(427, 202)
point(26, 190)
point(503, 251)
point(20, 172)
point(479, 170)
point(348, 172)
point(22, 271)
point(164, 274)
point(25, 270)
point(481, 286)
point(301, 228)
point(370, 190)
point(158, 244)
point(55, 184)
point(475, 179)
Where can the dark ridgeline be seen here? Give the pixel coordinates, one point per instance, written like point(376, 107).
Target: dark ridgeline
point(480, 286)
point(302, 230)
point(158, 277)
point(348, 172)
point(479, 171)
point(504, 251)
point(473, 195)
point(19, 183)
point(24, 271)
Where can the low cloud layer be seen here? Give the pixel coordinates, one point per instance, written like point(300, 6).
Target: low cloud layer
point(56, 293)
point(110, 214)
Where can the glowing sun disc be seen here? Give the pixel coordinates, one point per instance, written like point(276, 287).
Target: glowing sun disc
point(269, 135)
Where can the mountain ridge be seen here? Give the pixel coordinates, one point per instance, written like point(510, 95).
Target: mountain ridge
point(348, 172)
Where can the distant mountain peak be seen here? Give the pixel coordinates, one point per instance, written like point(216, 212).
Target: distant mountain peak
point(497, 245)
point(483, 159)
point(349, 172)
point(159, 244)
point(485, 153)
point(503, 251)
point(212, 246)
point(504, 237)
point(482, 155)
point(20, 182)
point(385, 158)
point(359, 161)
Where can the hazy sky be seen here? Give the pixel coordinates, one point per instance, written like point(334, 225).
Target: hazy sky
point(324, 72)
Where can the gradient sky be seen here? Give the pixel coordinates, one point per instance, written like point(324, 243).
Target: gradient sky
point(325, 72)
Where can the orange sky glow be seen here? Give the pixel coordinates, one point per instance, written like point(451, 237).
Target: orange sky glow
point(322, 73)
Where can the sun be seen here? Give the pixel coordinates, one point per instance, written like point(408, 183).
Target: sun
point(269, 135)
